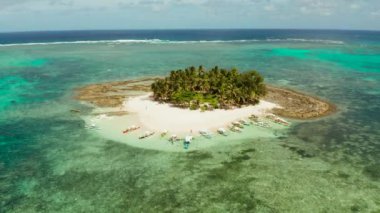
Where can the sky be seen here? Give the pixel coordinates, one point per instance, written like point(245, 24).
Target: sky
point(37, 15)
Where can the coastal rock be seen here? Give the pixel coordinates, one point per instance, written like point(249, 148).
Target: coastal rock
point(297, 105)
point(112, 94)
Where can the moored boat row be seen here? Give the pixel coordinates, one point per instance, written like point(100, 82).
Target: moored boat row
point(130, 129)
point(146, 134)
point(236, 126)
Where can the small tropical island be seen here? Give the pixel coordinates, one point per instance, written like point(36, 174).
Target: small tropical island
point(194, 102)
point(197, 88)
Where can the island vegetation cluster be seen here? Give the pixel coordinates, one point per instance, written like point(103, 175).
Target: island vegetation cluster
point(198, 88)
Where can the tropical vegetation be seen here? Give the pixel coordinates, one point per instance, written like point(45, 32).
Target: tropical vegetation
point(208, 89)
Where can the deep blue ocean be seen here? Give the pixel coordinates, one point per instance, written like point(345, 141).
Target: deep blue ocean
point(190, 35)
point(50, 163)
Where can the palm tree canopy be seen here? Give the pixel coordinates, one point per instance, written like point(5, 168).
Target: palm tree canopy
point(218, 88)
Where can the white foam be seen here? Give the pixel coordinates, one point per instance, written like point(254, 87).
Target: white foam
point(159, 41)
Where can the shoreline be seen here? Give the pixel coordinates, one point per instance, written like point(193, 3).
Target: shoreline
point(292, 104)
point(122, 105)
point(159, 117)
point(172, 119)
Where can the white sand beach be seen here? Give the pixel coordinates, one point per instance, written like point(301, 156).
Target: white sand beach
point(155, 117)
point(161, 116)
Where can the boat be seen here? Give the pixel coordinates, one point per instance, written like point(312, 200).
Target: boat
point(205, 133)
point(146, 134)
point(91, 126)
point(253, 117)
point(244, 122)
point(173, 138)
point(131, 128)
point(222, 131)
point(187, 141)
point(75, 110)
point(277, 119)
point(163, 133)
point(235, 123)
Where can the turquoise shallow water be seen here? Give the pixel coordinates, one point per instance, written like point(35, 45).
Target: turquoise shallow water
point(49, 162)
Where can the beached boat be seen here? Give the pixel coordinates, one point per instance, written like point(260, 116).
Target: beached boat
point(222, 131)
point(131, 128)
point(235, 129)
point(235, 123)
point(244, 122)
point(277, 119)
point(205, 133)
point(253, 117)
point(163, 133)
point(146, 134)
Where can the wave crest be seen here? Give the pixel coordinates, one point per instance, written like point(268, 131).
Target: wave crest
point(159, 41)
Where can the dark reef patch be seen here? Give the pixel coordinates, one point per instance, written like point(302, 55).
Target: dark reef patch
point(373, 171)
point(199, 155)
point(300, 151)
point(250, 150)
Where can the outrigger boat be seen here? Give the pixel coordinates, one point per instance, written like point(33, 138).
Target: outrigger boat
point(205, 133)
point(235, 129)
point(130, 129)
point(163, 133)
point(244, 122)
point(146, 134)
point(222, 131)
point(173, 138)
point(277, 119)
point(235, 123)
point(253, 117)
point(187, 141)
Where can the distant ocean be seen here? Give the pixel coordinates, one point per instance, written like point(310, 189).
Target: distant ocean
point(50, 163)
point(154, 36)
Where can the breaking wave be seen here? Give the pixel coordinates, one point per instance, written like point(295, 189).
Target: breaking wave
point(159, 41)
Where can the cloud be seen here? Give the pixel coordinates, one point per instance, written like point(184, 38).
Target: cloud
point(318, 7)
point(310, 6)
point(216, 13)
